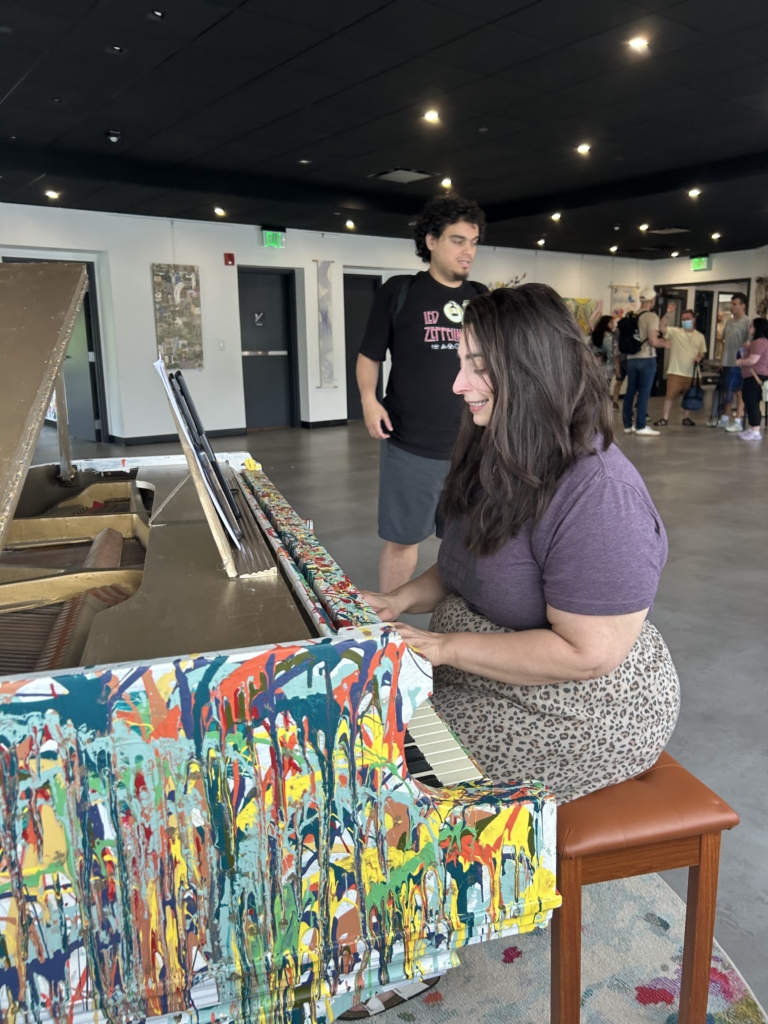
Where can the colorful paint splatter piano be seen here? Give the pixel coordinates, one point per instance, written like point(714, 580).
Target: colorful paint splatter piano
point(231, 835)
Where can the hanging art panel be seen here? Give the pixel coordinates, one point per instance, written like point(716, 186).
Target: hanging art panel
point(586, 312)
point(178, 318)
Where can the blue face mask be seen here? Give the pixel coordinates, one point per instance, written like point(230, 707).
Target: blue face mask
point(688, 325)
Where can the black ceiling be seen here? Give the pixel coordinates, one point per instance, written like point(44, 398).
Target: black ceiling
point(217, 102)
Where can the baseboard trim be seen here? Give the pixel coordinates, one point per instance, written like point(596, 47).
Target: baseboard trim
point(323, 423)
point(167, 438)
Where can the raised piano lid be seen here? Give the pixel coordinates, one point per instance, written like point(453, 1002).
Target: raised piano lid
point(39, 303)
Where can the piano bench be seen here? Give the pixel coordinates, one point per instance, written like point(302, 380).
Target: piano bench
point(665, 818)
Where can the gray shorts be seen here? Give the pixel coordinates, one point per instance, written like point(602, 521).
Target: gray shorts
point(409, 493)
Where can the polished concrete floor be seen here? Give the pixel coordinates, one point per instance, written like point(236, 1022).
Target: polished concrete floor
point(712, 492)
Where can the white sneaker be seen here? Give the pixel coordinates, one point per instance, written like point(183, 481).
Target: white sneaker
point(751, 435)
point(648, 432)
point(629, 430)
point(723, 421)
point(734, 428)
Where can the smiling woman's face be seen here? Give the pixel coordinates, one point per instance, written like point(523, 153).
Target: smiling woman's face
point(472, 382)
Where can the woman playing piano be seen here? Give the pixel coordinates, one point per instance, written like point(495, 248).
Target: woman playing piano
point(546, 666)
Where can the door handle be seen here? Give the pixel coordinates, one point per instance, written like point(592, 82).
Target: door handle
point(262, 352)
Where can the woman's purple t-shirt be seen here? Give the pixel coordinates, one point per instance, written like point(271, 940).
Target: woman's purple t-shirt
point(598, 550)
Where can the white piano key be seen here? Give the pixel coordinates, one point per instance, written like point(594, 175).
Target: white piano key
point(440, 748)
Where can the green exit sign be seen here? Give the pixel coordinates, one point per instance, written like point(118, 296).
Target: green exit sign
point(273, 238)
point(701, 262)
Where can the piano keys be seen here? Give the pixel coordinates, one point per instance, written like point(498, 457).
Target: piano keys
point(205, 800)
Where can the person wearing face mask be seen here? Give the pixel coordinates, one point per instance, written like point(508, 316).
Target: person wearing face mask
point(545, 665)
point(687, 348)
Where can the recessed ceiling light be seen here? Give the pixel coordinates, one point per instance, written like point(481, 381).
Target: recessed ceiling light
point(541, 241)
point(446, 182)
point(116, 49)
point(617, 227)
point(57, 101)
point(674, 255)
point(482, 129)
point(432, 116)
point(114, 136)
point(556, 216)
point(638, 43)
point(583, 148)
point(305, 161)
point(613, 248)
point(715, 235)
point(52, 195)
point(694, 192)
point(644, 227)
point(219, 212)
point(349, 224)
point(156, 14)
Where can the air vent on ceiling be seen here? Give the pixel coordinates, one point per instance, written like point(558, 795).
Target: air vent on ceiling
point(669, 231)
point(401, 175)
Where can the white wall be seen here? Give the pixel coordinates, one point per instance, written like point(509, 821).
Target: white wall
point(124, 247)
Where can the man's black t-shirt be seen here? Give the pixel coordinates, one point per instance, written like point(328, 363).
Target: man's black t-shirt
point(424, 411)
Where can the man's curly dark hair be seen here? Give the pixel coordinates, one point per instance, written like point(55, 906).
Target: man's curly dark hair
point(439, 213)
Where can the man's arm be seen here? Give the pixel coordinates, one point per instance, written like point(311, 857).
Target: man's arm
point(376, 416)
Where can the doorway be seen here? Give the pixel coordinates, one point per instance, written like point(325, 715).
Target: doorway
point(83, 366)
point(672, 302)
point(359, 292)
point(268, 342)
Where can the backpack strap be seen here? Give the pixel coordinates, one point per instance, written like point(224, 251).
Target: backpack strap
point(402, 295)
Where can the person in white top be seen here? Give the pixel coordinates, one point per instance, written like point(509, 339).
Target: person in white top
point(687, 348)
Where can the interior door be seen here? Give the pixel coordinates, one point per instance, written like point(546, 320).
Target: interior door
point(268, 347)
point(359, 292)
point(672, 302)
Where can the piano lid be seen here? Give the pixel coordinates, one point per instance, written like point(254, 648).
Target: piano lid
point(39, 303)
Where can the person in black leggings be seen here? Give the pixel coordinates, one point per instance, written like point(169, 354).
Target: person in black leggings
point(754, 371)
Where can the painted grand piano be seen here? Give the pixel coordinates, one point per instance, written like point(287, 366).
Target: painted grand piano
point(223, 792)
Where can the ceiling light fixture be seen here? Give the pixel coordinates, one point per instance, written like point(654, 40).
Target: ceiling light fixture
point(613, 248)
point(583, 148)
point(154, 15)
point(219, 212)
point(541, 241)
point(694, 193)
point(638, 43)
point(674, 255)
point(305, 161)
point(349, 224)
point(644, 227)
point(52, 195)
point(116, 49)
point(715, 235)
point(114, 136)
point(482, 129)
point(432, 116)
point(446, 182)
point(556, 216)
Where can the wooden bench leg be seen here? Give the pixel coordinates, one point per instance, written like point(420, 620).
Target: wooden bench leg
point(566, 947)
point(699, 932)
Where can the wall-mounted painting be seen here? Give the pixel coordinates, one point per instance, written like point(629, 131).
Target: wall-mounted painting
point(586, 312)
point(513, 282)
point(178, 320)
point(624, 297)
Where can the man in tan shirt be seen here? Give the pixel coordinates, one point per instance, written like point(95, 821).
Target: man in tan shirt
point(687, 348)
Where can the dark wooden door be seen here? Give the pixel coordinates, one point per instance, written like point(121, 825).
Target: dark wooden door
point(359, 290)
point(267, 338)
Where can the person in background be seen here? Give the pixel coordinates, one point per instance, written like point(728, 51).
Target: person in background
point(687, 348)
point(641, 366)
point(719, 328)
point(602, 347)
point(418, 319)
point(754, 372)
point(735, 335)
point(619, 368)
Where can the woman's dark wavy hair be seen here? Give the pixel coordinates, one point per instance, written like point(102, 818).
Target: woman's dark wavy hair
point(599, 331)
point(759, 327)
point(550, 406)
point(439, 213)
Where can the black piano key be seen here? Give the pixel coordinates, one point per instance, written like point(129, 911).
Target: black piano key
point(417, 763)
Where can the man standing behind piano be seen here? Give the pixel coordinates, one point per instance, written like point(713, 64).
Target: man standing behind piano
point(418, 319)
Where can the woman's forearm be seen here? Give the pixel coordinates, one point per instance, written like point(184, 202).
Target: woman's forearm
point(424, 593)
point(748, 360)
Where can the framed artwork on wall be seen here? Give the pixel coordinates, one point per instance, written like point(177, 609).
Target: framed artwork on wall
point(178, 319)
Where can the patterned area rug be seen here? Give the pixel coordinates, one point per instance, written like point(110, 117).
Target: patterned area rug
point(631, 964)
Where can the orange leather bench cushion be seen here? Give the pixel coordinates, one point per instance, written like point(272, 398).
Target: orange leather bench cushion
point(664, 803)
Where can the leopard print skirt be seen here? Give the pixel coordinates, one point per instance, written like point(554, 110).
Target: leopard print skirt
point(576, 736)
